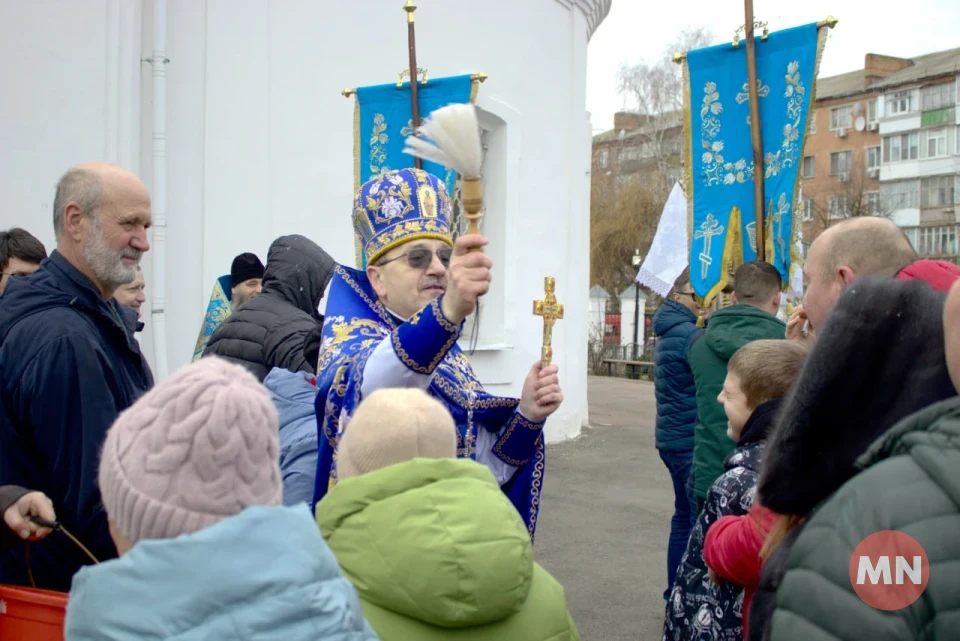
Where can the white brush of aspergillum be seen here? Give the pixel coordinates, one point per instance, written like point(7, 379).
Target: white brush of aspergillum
point(450, 136)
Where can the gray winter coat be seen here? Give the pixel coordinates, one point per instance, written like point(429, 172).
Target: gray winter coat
point(270, 330)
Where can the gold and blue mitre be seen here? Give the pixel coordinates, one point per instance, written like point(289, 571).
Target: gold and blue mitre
point(399, 206)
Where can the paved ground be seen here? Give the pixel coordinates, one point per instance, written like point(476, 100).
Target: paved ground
point(605, 516)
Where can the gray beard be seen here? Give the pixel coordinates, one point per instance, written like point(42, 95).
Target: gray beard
point(239, 300)
point(106, 263)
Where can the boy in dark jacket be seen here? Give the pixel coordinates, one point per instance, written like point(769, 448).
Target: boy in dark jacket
point(759, 375)
point(756, 297)
point(675, 326)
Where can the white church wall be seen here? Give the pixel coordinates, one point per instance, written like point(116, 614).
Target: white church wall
point(260, 140)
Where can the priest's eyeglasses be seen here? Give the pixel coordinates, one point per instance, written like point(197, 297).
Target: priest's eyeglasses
point(421, 257)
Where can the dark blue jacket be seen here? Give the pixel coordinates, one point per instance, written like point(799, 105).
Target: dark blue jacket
point(68, 366)
point(675, 327)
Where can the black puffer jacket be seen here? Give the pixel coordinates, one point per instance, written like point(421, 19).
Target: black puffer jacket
point(270, 330)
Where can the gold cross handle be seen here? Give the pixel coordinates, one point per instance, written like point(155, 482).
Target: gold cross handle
point(551, 311)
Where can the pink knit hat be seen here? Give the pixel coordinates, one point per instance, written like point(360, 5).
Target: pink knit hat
point(198, 448)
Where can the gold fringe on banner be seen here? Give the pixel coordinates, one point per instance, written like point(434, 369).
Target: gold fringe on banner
point(356, 172)
point(796, 261)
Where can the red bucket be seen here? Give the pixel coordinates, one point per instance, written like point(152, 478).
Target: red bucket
point(27, 613)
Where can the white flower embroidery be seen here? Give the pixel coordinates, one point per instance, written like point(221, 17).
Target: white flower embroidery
point(374, 189)
point(396, 180)
point(391, 207)
point(717, 145)
point(793, 67)
point(707, 158)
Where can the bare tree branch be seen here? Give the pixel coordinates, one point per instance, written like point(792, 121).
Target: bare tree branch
point(850, 195)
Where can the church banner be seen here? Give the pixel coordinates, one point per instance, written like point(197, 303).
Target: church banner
point(718, 153)
point(383, 120)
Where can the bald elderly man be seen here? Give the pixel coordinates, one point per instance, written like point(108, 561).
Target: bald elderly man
point(864, 246)
point(69, 364)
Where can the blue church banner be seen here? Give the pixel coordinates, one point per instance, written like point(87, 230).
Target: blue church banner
point(719, 155)
point(383, 120)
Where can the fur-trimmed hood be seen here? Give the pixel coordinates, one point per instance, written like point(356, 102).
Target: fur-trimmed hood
point(879, 358)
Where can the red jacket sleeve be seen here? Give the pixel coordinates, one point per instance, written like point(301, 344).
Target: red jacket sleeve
point(732, 546)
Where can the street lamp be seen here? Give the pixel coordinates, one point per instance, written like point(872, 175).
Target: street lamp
point(636, 303)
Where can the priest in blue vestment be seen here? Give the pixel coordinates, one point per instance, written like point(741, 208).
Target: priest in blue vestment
point(397, 325)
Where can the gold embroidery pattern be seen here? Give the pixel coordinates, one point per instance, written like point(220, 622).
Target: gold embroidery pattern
point(415, 366)
point(515, 422)
point(438, 314)
point(398, 206)
point(535, 485)
point(456, 395)
point(377, 306)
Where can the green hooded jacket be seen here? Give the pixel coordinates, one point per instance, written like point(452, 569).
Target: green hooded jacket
point(911, 484)
point(728, 330)
point(437, 551)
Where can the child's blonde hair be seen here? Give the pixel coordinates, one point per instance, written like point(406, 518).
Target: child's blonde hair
point(767, 369)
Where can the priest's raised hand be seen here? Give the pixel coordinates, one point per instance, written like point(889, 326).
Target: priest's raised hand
point(541, 395)
point(468, 278)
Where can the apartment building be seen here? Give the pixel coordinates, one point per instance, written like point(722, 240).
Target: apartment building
point(637, 144)
point(920, 165)
point(885, 140)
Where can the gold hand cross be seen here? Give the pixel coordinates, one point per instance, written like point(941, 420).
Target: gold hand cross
point(551, 311)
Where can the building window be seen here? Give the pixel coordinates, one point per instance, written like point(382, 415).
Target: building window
point(901, 147)
point(904, 194)
point(899, 102)
point(935, 143)
point(628, 153)
point(937, 191)
point(840, 162)
point(838, 207)
point(806, 210)
point(872, 111)
point(937, 97)
point(604, 159)
point(813, 123)
point(871, 202)
point(937, 241)
point(808, 166)
point(841, 118)
point(873, 157)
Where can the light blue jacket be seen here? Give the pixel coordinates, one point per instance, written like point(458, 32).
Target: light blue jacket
point(293, 395)
point(265, 574)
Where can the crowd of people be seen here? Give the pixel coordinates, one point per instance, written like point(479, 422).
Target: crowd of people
point(229, 501)
point(791, 442)
point(347, 476)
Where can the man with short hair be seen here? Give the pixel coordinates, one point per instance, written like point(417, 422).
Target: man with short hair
point(20, 255)
point(270, 329)
point(756, 298)
point(863, 246)
point(69, 364)
point(246, 279)
point(397, 325)
point(675, 326)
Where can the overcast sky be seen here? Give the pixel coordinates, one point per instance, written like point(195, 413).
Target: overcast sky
point(640, 29)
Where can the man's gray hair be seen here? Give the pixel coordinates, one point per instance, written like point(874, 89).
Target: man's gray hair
point(79, 186)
